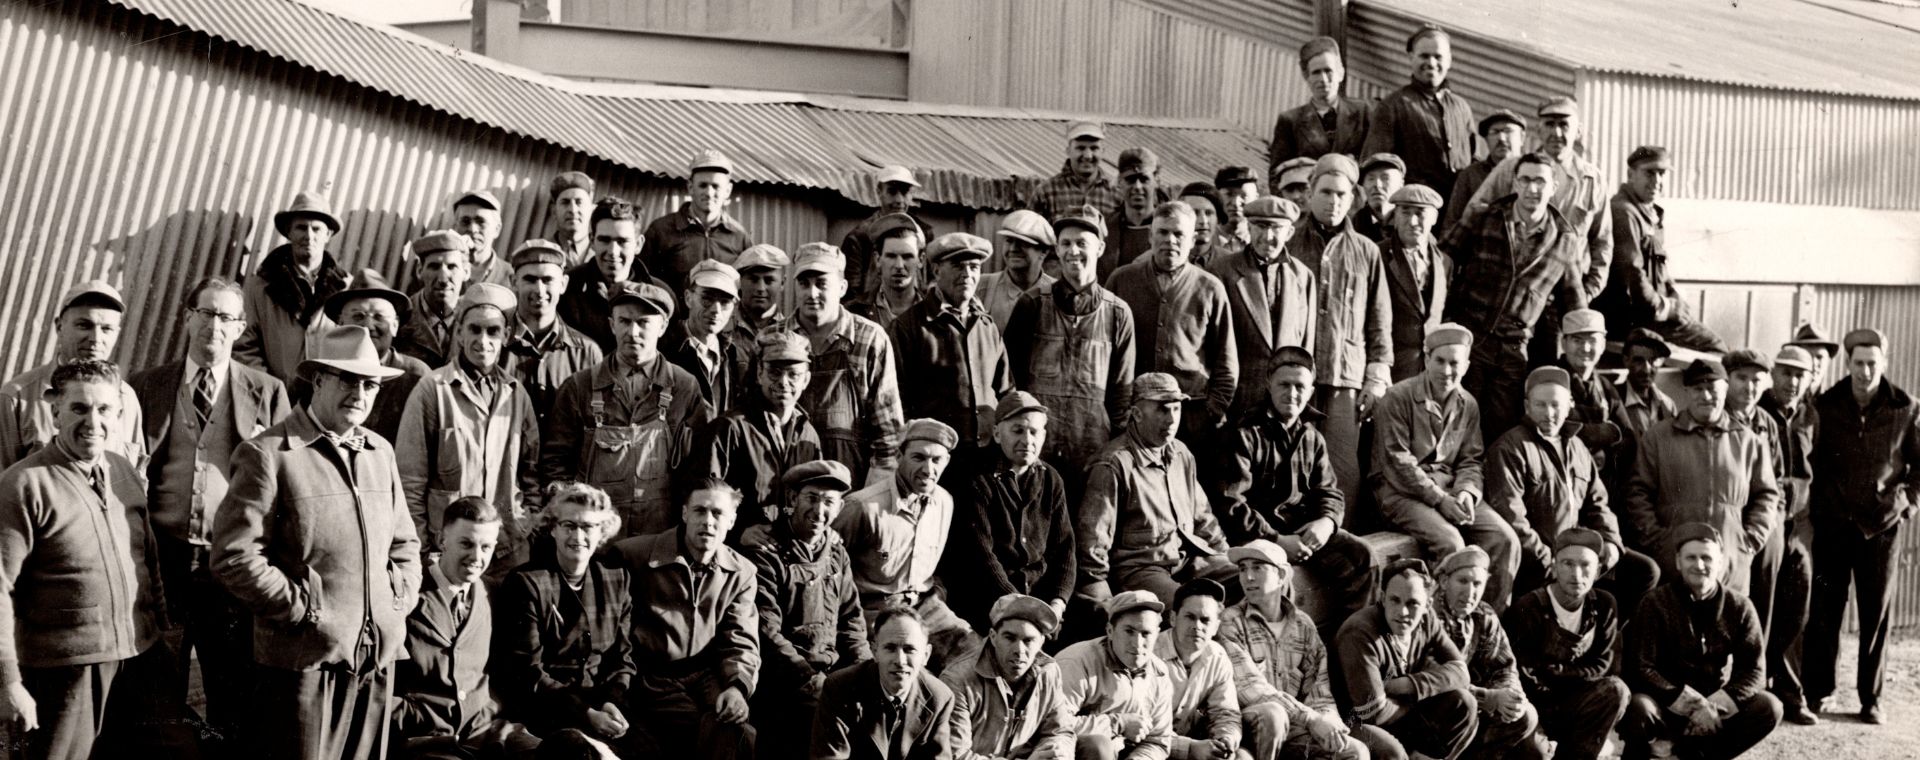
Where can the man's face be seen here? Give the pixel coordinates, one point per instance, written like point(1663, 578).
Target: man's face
point(1270, 236)
point(1204, 218)
point(1699, 565)
point(1138, 192)
point(1821, 358)
point(1789, 384)
point(482, 332)
point(760, 289)
point(1085, 155)
point(1260, 579)
point(1296, 192)
point(215, 323)
point(1642, 363)
point(615, 243)
point(578, 532)
point(1290, 388)
point(1172, 242)
point(308, 237)
point(1707, 399)
point(375, 314)
point(921, 465)
point(1583, 350)
point(1557, 134)
point(708, 516)
point(958, 279)
point(85, 415)
point(342, 401)
point(1155, 421)
point(819, 293)
point(1381, 183)
point(1016, 646)
point(899, 262)
point(1022, 256)
point(1505, 139)
point(708, 310)
point(815, 508)
point(708, 191)
point(1533, 186)
point(896, 197)
point(466, 549)
point(1130, 637)
point(1079, 253)
point(1432, 58)
point(1197, 620)
point(781, 383)
point(1324, 73)
point(443, 274)
point(636, 331)
point(1405, 600)
point(1574, 571)
point(478, 223)
point(1021, 436)
point(900, 650)
point(1236, 197)
point(1413, 224)
point(1445, 366)
point(1865, 366)
point(570, 211)
point(87, 332)
point(1331, 199)
point(1548, 406)
point(1464, 589)
point(537, 287)
point(1745, 386)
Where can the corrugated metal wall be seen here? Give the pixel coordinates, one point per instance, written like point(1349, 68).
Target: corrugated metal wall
point(151, 159)
point(1738, 143)
point(870, 23)
point(1488, 75)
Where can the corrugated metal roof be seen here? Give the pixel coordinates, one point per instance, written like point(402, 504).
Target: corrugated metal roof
point(820, 142)
point(1776, 44)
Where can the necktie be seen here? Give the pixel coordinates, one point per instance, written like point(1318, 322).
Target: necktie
point(461, 608)
point(98, 476)
point(1417, 261)
point(203, 395)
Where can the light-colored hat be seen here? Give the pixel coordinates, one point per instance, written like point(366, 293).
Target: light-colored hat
point(1128, 601)
point(709, 273)
point(1157, 387)
point(1262, 550)
point(97, 290)
point(307, 203)
point(820, 257)
point(1449, 334)
point(895, 175)
point(1086, 130)
point(1581, 321)
point(709, 161)
point(348, 349)
point(762, 256)
point(485, 294)
point(1027, 227)
point(1023, 607)
point(925, 429)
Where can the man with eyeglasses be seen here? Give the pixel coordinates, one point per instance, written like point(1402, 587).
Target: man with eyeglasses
point(380, 309)
point(197, 411)
point(86, 326)
point(330, 599)
point(752, 445)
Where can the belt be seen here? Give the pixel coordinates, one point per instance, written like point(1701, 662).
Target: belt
point(908, 598)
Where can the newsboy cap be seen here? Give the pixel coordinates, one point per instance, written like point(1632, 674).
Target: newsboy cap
point(1292, 356)
point(1027, 227)
point(1158, 387)
point(646, 295)
point(1471, 556)
point(1693, 531)
point(1015, 404)
point(1260, 550)
point(1128, 601)
point(485, 294)
point(1580, 536)
point(1581, 321)
point(1449, 334)
point(1084, 217)
point(1023, 607)
point(1415, 194)
point(1502, 116)
point(761, 256)
point(1746, 358)
point(823, 471)
point(1270, 207)
point(440, 240)
point(1865, 336)
point(925, 429)
point(1335, 163)
point(565, 181)
point(1702, 371)
point(1794, 356)
point(958, 246)
point(1378, 160)
point(1548, 375)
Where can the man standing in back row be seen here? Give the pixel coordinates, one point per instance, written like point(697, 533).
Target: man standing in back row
point(1425, 123)
point(701, 228)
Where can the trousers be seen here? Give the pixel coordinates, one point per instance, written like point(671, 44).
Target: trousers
point(1580, 718)
point(1440, 726)
point(1841, 558)
point(332, 713)
point(1646, 721)
point(116, 709)
point(1439, 538)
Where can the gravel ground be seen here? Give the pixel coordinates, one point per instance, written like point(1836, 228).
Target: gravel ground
point(1840, 734)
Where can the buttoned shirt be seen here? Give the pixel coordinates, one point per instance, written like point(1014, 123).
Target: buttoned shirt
point(1183, 326)
point(1203, 690)
point(1274, 479)
point(1068, 191)
point(1353, 341)
point(995, 719)
point(1507, 271)
point(1279, 659)
point(1580, 197)
point(1144, 507)
point(1545, 484)
point(854, 397)
point(674, 242)
point(1099, 691)
point(1427, 448)
point(895, 539)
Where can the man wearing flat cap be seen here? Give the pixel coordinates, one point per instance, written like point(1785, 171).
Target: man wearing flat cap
point(1275, 483)
point(1508, 722)
point(1564, 637)
point(950, 344)
point(765, 435)
point(293, 281)
point(1406, 679)
point(701, 228)
point(1289, 179)
point(1695, 661)
point(326, 633)
point(1278, 657)
point(1273, 298)
point(1083, 180)
point(585, 305)
point(811, 622)
point(1182, 316)
point(1007, 698)
point(1120, 694)
point(1640, 292)
point(1866, 483)
point(382, 311)
point(1071, 345)
point(1353, 344)
point(1013, 533)
point(1145, 522)
point(1329, 122)
point(1577, 192)
point(1516, 262)
point(1130, 227)
point(442, 269)
point(1791, 409)
point(1542, 480)
point(699, 341)
point(898, 272)
point(1029, 239)
point(1505, 134)
point(543, 351)
point(569, 204)
point(763, 272)
point(1381, 175)
point(896, 532)
point(1418, 274)
point(87, 325)
point(1703, 467)
point(1642, 403)
point(1749, 378)
point(476, 216)
point(895, 187)
point(1424, 122)
point(853, 398)
point(469, 430)
point(1427, 460)
point(623, 424)
point(1583, 340)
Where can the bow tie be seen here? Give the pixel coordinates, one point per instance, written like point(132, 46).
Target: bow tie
point(349, 442)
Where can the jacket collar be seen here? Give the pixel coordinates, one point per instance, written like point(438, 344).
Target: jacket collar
point(725, 222)
point(303, 430)
point(1685, 422)
point(666, 551)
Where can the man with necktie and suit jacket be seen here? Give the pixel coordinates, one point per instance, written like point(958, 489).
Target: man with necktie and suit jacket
point(890, 707)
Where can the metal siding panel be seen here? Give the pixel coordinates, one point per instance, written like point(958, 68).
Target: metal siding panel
point(1489, 73)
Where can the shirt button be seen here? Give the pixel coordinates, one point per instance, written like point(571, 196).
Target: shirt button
point(462, 695)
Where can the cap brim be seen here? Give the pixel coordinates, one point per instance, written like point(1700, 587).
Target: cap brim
point(720, 283)
point(281, 219)
point(1021, 410)
point(806, 268)
point(1794, 363)
point(1157, 397)
point(1830, 346)
point(1061, 225)
point(965, 255)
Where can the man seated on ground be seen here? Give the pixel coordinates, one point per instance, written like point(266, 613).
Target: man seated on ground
point(1007, 703)
point(1508, 722)
point(1694, 659)
point(1563, 639)
point(1120, 693)
point(1208, 722)
point(1406, 679)
point(889, 707)
point(1278, 658)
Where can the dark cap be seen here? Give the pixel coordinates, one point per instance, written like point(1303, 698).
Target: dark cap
point(823, 471)
point(1292, 356)
point(1693, 531)
point(958, 246)
point(1811, 336)
point(1644, 154)
point(538, 252)
point(1230, 177)
point(1502, 116)
point(1415, 195)
point(1746, 358)
point(565, 181)
point(1701, 371)
point(1270, 207)
point(1642, 336)
point(1206, 587)
point(1017, 403)
point(1378, 160)
point(1864, 336)
point(886, 224)
point(644, 294)
point(1318, 46)
point(1084, 217)
point(1138, 161)
point(368, 284)
point(1204, 190)
point(1579, 536)
point(1158, 387)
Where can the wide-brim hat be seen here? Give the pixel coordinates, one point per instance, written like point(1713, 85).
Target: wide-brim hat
point(348, 349)
point(368, 284)
point(307, 203)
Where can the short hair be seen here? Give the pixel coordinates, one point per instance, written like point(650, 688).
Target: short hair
point(711, 483)
point(1191, 590)
point(83, 371)
point(474, 509)
point(897, 611)
point(919, 240)
point(216, 284)
point(1416, 568)
point(1535, 157)
point(611, 208)
point(573, 492)
point(1426, 31)
point(1175, 210)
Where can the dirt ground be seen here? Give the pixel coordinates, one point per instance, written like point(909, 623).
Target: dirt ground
point(1840, 734)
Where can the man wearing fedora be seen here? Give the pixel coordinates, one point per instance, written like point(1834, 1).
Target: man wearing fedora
point(197, 410)
point(1822, 348)
point(1029, 240)
point(86, 326)
point(315, 541)
point(701, 228)
point(954, 349)
point(285, 295)
point(895, 187)
point(371, 304)
point(442, 271)
point(543, 352)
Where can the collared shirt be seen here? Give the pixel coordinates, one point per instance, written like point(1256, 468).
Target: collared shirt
point(883, 305)
point(895, 539)
point(1353, 341)
point(751, 450)
point(1580, 198)
point(1639, 413)
point(1067, 191)
point(1371, 655)
point(1506, 275)
point(998, 293)
point(958, 361)
point(1279, 658)
point(694, 615)
point(217, 373)
point(1098, 691)
point(1427, 448)
point(674, 242)
point(542, 363)
point(1275, 479)
point(996, 718)
point(1203, 691)
point(1144, 506)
